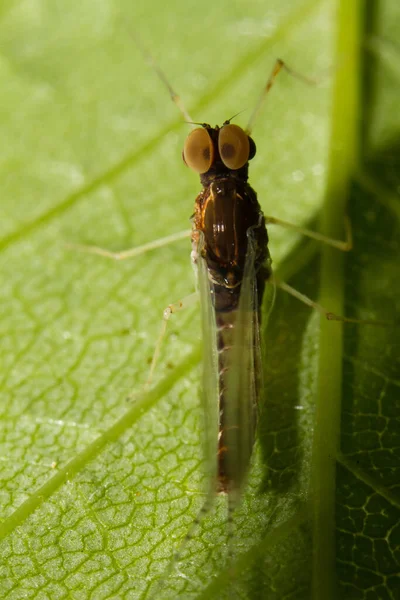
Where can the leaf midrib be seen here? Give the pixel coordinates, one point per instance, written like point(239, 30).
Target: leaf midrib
point(342, 162)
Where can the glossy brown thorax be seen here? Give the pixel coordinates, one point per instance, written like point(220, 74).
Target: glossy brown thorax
point(227, 209)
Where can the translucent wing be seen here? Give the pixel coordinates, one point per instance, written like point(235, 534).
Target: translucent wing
point(210, 391)
point(244, 384)
point(232, 374)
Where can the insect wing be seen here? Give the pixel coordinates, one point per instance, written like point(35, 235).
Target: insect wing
point(243, 378)
point(210, 391)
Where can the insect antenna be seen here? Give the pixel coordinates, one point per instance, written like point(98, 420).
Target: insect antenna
point(161, 75)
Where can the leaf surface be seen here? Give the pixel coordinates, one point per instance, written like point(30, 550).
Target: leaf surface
point(97, 492)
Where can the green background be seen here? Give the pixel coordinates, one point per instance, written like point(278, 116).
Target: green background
point(96, 491)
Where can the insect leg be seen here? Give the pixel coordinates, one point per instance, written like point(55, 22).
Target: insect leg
point(323, 311)
point(277, 68)
point(131, 252)
point(171, 309)
point(344, 245)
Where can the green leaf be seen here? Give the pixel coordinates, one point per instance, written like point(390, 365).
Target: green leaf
point(98, 492)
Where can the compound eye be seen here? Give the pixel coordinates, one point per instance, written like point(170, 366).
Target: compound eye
point(198, 151)
point(233, 146)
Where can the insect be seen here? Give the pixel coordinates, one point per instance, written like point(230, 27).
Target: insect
point(232, 261)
